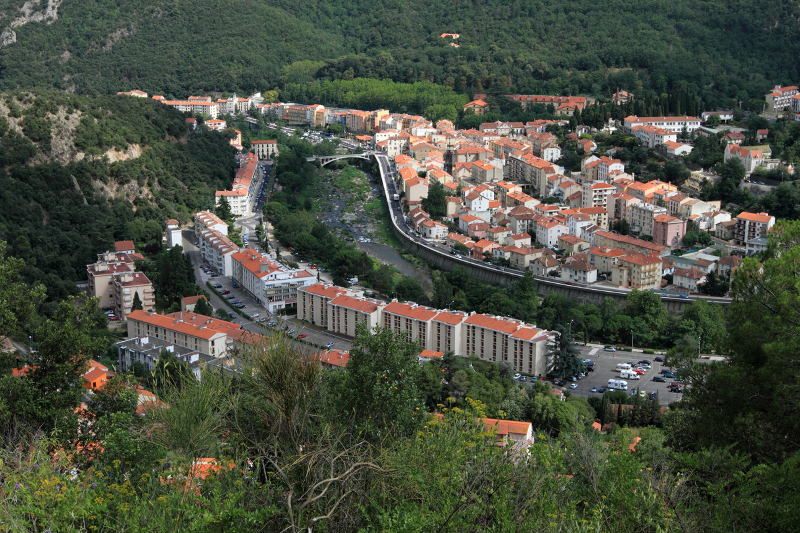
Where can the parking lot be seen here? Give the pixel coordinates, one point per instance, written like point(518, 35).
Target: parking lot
point(605, 364)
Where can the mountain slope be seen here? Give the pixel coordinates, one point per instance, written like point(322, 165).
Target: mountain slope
point(78, 173)
point(171, 47)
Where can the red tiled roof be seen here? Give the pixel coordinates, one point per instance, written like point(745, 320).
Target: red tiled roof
point(496, 324)
point(410, 310)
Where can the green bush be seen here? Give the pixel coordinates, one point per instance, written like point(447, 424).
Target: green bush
point(649, 352)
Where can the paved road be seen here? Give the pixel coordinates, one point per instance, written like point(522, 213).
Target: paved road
point(605, 369)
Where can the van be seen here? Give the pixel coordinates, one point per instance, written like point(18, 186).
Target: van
point(629, 374)
point(623, 366)
point(617, 384)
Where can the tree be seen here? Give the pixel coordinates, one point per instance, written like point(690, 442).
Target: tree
point(379, 389)
point(713, 121)
point(435, 204)
point(765, 338)
point(621, 226)
point(202, 307)
point(222, 314)
point(563, 359)
point(223, 209)
point(137, 302)
point(18, 300)
point(275, 212)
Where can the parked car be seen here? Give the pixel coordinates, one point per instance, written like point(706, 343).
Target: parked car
point(217, 285)
point(230, 296)
point(644, 362)
point(302, 336)
point(524, 378)
point(669, 375)
point(214, 275)
point(665, 371)
point(573, 386)
point(329, 345)
point(659, 359)
point(610, 349)
point(594, 389)
point(113, 318)
point(232, 315)
point(240, 306)
point(290, 332)
point(226, 291)
point(517, 376)
point(601, 390)
point(234, 285)
point(659, 379)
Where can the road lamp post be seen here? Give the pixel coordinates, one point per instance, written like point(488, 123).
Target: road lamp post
point(699, 339)
point(570, 327)
point(448, 305)
point(631, 341)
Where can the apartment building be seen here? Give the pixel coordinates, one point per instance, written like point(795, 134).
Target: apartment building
point(126, 286)
point(446, 332)
point(312, 302)
point(409, 319)
point(264, 149)
point(209, 109)
point(637, 271)
point(604, 259)
point(596, 194)
point(206, 220)
point(642, 216)
point(218, 250)
point(607, 239)
point(688, 278)
point(497, 339)
point(271, 284)
point(346, 312)
point(147, 351)
point(196, 332)
point(579, 272)
point(652, 136)
point(749, 227)
point(675, 124)
point(101, 278)
point(668, 230)
point(780, 98)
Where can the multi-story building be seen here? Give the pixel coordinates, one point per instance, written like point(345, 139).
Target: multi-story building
point(147, 351)
point(209, 109)
point(642, 216)
point(652, 136)
point(312, 302)
point(607, 239)
point(749, 227)
point(637, 271)
point(126, 286)
point(412, 320)
point(497, 339)
point(445, 334)
point(264, 149)
point(196, 332)
point(217, 249)
point(780, 98)
point(272, 285)
point(668, 230)
point(206, 220)
point(244, 188)
point(676, 124)
point(604, 259)
point(595, 194)
point(345, 313)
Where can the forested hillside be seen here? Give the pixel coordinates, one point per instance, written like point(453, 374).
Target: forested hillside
point(78, 173)
point(726, 49)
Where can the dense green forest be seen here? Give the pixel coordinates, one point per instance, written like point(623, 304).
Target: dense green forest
point(64, 201)
point(725, 50)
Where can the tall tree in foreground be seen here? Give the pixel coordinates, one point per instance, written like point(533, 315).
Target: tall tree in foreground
point(758, 386)
point(563, 360)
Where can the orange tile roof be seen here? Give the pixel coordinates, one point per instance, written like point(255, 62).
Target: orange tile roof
point(121, 246)
point(170, 323)
point(430, 354)
point(357, 304)
point(507, 427)
point(334, 357)
point(763, 218)
point(495, 324)
point(450, 318)
point(410, 310)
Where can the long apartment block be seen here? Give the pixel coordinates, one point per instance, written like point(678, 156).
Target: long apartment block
point(491, 338)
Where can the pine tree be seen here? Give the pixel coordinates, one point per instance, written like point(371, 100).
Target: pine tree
point(137, 302)
point(202, 307)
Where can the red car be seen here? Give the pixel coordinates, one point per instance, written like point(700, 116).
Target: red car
point(113, 318)
point(640, 372)
point(226, 291)
point(302, 336)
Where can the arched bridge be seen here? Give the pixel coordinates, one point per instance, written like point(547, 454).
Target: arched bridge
point(325, 159)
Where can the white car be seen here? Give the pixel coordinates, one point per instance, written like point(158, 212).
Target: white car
point(516, 376)
point(573, 385)
point(329, 345)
